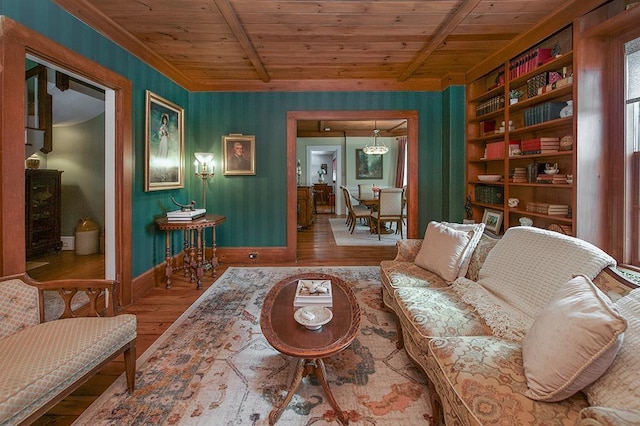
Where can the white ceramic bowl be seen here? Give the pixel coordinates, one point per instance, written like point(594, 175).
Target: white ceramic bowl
point(489, 178)
point(313, 317)
point(552, 171)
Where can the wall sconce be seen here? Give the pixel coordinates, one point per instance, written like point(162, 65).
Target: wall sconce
point(204, 170)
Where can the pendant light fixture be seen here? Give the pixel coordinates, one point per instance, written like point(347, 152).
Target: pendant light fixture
point(376, 148)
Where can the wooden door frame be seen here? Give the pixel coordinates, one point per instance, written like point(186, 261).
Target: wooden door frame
point(16, 41)
point(412, 167)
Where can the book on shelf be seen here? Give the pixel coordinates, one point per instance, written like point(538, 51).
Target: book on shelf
point(178, 215)
point(313, 292)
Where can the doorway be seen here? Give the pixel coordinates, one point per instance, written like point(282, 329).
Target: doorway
point(18, 41)
point(330, 153)
point(411, 116)
point(80, 150)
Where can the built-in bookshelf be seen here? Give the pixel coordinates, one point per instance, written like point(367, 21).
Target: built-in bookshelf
point(519, 123)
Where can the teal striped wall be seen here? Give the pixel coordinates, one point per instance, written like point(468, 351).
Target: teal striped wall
point(255, 205)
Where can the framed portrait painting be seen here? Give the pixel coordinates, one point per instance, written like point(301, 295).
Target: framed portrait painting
point(368, 166)
point(239, 153)
point(163, 144)
point(492, 220)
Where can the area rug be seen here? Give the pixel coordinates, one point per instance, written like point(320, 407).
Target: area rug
point(213, 366)
point(361, 235)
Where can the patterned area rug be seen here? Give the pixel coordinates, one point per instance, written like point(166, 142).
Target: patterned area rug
point(214, 367)
point(361, 235)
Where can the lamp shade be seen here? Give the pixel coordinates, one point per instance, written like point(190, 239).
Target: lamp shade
point(203, 157)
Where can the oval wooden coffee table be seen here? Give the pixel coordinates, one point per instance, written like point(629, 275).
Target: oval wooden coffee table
point(290, 338)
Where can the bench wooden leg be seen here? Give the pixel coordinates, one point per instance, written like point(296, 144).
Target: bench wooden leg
point(130, 366)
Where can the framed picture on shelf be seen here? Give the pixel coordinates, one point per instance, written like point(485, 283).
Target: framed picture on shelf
point(492, 220)
point(163, 144)
point(239, 154)
point(368, 166)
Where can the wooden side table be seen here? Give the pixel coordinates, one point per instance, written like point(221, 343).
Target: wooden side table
point(194, 258)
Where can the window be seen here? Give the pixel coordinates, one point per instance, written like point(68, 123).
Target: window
point(632, 142)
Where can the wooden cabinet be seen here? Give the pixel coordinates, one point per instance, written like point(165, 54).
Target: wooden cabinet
point(305, 206)
point(517, 140)
point(43, 212)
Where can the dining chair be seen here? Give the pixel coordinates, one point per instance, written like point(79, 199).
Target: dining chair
point(390, 205)
point(345, 198)
point(365, 190)
point(354, 212)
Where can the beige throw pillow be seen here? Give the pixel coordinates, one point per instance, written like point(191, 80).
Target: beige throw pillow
point(619, 386)
point(442, 250)
point(572, 342)
point(476, 229)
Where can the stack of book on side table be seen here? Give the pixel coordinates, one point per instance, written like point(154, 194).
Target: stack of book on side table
point(185, 215)
point(313, 293)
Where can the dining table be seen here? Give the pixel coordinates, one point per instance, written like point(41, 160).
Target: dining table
point(371, 201)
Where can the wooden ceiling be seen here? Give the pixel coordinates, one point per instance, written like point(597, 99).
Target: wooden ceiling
point(291, 45)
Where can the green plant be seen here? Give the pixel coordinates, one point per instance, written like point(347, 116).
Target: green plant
point(515, 93)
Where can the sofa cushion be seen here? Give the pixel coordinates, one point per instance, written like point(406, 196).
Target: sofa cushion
point(483, 379)
point(443, 250)
point(408, 274)
point(479, 255)
point(476, 229)
point(618, 387)
point(428, 312)
point(39, 361)
point(572, 342)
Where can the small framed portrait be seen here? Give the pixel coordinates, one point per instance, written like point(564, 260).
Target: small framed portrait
point(163, 144)
point(368, 166)
point(239, 153)
point(492, 220)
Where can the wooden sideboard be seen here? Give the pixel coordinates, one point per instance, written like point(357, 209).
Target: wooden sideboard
point(305, 206)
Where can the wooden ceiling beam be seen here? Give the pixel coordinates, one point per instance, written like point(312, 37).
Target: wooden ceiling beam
point(236, 27)
point(448, 27)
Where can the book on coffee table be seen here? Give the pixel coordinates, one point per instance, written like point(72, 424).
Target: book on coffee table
point(313, 292)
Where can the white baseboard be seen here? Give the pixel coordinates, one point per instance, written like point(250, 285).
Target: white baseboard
point(68, 243)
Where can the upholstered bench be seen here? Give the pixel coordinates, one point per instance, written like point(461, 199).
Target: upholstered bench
point(43, 362)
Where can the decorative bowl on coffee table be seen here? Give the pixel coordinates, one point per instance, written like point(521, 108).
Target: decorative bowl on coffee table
point(313, 317)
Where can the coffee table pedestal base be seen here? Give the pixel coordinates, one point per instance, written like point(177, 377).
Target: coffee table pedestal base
point(305, 368)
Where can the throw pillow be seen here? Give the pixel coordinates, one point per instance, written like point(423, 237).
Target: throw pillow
point(442, 250)
point(618, 387)
point(477, 229)
point(572, 342)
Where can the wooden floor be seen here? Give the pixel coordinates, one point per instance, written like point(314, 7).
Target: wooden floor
point(158, 309)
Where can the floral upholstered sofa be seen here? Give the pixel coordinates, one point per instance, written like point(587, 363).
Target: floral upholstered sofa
point(533, 328)
point(43, 362)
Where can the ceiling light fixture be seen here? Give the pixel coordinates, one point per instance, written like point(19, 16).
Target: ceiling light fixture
point(376, 148)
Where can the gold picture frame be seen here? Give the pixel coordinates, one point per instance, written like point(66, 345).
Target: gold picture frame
point(239, 154)
point(368, 166)
point(163, 144)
